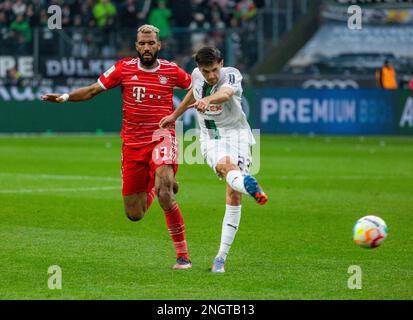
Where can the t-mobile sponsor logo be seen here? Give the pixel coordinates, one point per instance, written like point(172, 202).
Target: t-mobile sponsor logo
point(138, 93)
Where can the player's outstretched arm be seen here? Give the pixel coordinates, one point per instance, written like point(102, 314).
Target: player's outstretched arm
point(221, 96)
point(80, 94)
point(183, 106)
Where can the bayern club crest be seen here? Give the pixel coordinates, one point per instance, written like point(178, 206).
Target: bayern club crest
point(163, 79)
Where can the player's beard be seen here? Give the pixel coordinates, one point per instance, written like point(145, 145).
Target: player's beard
point(148, 63)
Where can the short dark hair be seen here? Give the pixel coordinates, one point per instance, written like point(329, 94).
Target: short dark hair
point(207, 56)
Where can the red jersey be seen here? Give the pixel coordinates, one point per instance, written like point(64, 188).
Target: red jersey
point(147, 96)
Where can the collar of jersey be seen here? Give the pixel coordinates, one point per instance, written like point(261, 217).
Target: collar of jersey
point(149, 70)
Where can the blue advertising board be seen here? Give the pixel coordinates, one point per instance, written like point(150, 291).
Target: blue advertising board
point(366, 111)
point(272, 110)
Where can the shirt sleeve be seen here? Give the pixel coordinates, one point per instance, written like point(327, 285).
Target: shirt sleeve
point(184, 80)
point(112, 77)
point(233, 80)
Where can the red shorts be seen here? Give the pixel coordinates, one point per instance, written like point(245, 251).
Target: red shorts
point(139, 165)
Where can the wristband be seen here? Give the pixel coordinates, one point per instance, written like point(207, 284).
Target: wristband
point(65, 97)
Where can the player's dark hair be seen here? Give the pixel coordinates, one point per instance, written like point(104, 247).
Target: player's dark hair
point(207, 56)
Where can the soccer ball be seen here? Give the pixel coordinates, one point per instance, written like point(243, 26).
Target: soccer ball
point(369, 232)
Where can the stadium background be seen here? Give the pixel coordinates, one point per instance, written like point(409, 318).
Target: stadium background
point(277, 45)
point(305, 72)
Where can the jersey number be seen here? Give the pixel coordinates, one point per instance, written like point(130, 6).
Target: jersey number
point(161, 153)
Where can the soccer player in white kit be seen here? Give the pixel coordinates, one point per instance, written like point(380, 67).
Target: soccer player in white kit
point(225, 138)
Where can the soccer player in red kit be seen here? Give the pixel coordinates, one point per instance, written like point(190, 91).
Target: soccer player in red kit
point(149, 157)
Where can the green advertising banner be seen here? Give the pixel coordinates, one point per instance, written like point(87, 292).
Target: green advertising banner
point(22, 111)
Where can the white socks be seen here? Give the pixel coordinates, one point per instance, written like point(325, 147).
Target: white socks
point(235, 180)
point(229, 229)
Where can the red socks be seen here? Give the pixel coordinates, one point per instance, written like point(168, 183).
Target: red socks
point(175, 224)
point(176, 228)
point(149, 199)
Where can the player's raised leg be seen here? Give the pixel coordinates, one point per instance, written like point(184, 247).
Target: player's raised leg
point(164, 185)
point(245, 184)
point(230, 225)
point(137, 188)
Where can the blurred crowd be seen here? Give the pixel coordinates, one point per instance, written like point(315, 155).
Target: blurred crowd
point(132, 13)
point(188, 19)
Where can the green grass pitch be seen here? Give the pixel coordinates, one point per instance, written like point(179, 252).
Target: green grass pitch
point(60, 204)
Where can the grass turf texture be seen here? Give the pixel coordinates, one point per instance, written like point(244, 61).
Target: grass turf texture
point(60, 204)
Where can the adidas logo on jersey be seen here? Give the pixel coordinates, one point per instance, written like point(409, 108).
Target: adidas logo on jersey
point(135, 77)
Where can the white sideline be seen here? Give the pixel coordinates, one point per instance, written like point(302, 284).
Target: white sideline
point(57, 177)
point(59, 190)
point(113, 179)
point(366, 177)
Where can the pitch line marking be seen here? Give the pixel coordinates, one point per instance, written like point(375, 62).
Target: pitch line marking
point(113, 179)
point(372, 177)
point(59, 190)
point(57, 177)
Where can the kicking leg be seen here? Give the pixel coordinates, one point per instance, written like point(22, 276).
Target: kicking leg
point(237, 181)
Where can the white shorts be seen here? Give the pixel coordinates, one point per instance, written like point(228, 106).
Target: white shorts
point(215, 150)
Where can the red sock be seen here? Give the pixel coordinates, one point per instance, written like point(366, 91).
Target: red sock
point(176, 229)
point(149, 199)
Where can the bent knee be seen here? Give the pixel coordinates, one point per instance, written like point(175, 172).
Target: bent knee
point(134, 214)
point(135, 206)
point(225, 166)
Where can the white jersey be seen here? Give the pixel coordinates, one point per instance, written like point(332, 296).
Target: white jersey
point(227, 120)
